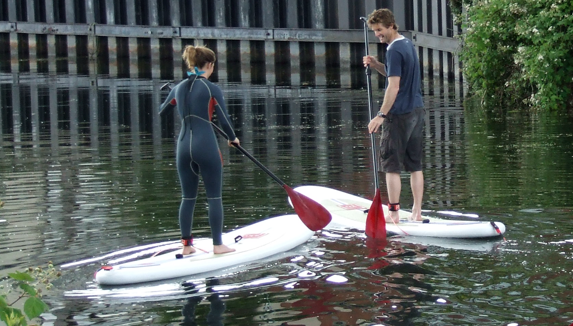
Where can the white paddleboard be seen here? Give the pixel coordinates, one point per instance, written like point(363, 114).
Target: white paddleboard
point(350, 211)
point(255, 241)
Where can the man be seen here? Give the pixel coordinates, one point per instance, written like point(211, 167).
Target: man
point(401, 116)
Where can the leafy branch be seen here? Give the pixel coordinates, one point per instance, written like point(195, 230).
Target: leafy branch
point(29, 285)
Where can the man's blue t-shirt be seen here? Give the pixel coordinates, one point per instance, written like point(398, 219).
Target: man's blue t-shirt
point(402, 61)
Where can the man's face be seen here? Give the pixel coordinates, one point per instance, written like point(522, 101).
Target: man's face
point(381, 32)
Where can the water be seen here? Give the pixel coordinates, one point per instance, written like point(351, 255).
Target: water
point(87, 169)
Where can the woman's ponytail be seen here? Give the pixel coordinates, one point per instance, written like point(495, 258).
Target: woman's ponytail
point(198, 56)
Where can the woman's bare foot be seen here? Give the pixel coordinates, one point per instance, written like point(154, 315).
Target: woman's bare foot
point(188, 250)
point(416, 215)
point(393, 217)
point(222, 249)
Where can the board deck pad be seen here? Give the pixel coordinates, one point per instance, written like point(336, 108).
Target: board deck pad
point(351, 211)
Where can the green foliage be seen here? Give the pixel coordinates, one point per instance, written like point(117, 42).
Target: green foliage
point(519, 53)
point(28, 286)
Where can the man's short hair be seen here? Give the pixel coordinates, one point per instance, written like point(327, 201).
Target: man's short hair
point(384, 17)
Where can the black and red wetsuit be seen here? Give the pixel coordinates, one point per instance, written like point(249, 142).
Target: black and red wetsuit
point(198, 154)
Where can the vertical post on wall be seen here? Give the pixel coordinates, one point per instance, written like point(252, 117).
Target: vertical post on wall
point(445, 55)
point(221, 44)
point(344, 51)
point(436, 62)
point(373, 49)
point(292, 14)
point(175, 13)
point(319, 47)
point(110, 12)
point(111, 40)
point(14, 55)
point(295, 63)
point(457, 66)
point(245, 45)
point(70, 11)
point(72, 46)
point(369, 6)
point(425, 54)
point(132, 41)
point(197, 9)
point(268, 9)
point(176, 40)
point(219, 13)
point(345, 64)
point(32, 38)
point(343, 18)
point(51, 37)
point(292, 22)
point(399, 10)
point(154, 40)
point(90, 19)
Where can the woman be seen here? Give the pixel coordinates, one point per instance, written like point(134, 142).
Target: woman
point(198, 152)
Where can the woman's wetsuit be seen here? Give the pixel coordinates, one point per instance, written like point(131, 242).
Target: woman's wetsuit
point(198, 152)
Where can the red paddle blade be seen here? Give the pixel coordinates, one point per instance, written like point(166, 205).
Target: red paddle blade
point(311, 213)
point(375, 221)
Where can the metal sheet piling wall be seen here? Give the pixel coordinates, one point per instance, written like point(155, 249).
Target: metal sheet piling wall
point(310, 36)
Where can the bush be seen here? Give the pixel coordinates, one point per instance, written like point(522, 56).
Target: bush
point(519, 53)
point(30, 288)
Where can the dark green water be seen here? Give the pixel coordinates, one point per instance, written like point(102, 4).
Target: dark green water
point(88, 169)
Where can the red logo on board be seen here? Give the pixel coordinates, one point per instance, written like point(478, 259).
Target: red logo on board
point(350, 207)
point(254, 235)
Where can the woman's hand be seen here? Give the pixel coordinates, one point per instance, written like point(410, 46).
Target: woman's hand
point(234, 143)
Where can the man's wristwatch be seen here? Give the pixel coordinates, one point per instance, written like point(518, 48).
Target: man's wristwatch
point(381, 114)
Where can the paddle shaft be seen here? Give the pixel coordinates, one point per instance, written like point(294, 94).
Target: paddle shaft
point(251, 157)
point(370, 107)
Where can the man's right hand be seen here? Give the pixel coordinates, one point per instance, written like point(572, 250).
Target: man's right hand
point(370, 60)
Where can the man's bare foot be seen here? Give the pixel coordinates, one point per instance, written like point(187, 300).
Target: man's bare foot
point(188, 250)
point(222, 249)
point(393, 217)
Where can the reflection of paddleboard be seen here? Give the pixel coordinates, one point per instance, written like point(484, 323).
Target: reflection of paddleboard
point(483, 245)
point(253, 242)
point(350, 211)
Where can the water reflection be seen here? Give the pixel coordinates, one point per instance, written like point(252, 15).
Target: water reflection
point(86, 168)
point(216, 306)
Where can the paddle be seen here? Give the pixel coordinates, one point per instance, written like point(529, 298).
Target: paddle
point(311, 213)
point(375, 221)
